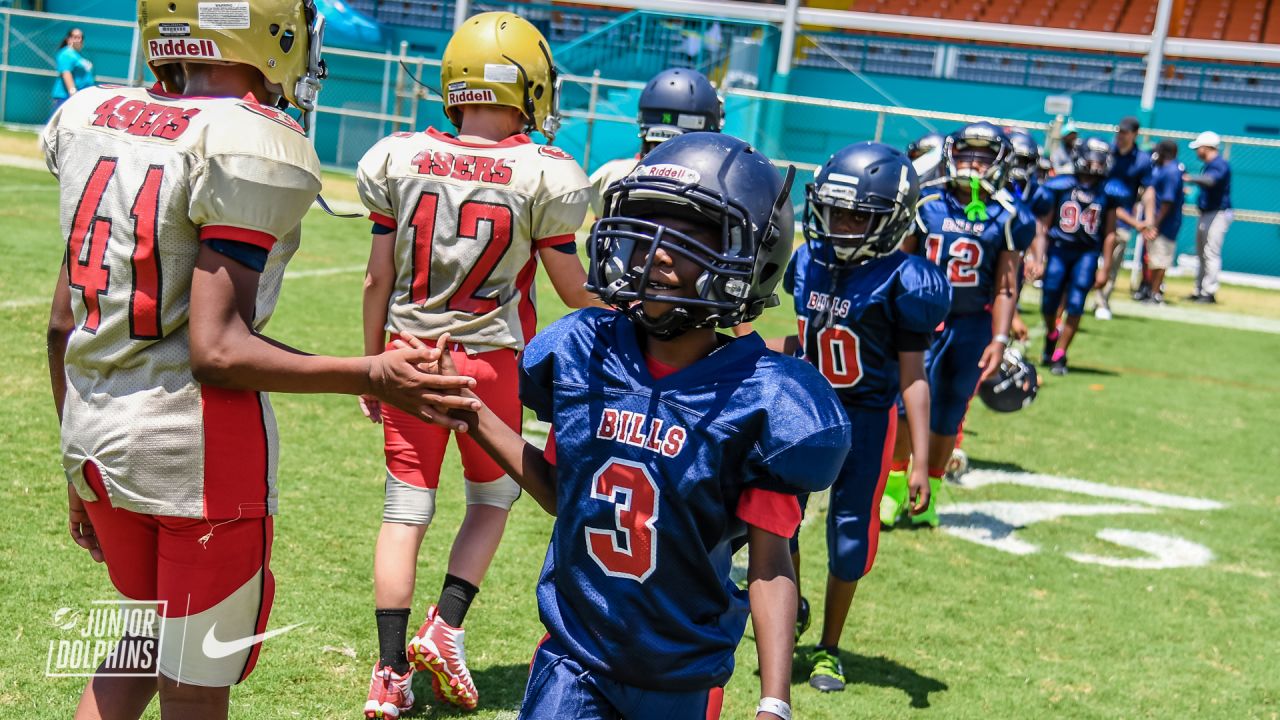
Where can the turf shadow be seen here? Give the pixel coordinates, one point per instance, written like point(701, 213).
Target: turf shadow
point(881, 672)
point(981, 464)
point(501, 688)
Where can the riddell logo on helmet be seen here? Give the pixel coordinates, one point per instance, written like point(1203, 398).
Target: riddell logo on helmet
point(471, 96)
point(183, 49)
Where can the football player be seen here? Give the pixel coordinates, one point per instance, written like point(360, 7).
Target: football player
point(674, 102)
point(460, 223)
point(976, 235)
point(1077, 215)
point(925, 154)
point(684, 443)
point(866, 314)
point(181, 205)
point(1024, 165)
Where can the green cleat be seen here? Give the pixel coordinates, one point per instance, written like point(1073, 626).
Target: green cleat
point(828, 673)
point(930, 515)
point(894, 499)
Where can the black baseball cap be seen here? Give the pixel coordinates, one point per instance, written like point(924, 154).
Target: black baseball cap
point(1130, 124)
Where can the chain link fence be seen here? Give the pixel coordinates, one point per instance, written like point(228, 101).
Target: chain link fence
point(371, 94)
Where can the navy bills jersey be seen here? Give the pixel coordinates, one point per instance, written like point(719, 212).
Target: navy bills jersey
point(636, 581)
point(966, 251)
point(1077, 214)
point(854, 320)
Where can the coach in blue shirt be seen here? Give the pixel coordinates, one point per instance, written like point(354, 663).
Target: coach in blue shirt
point(1215, 213)
point(1132, 166)
point(75, 73)
point(1162, 238)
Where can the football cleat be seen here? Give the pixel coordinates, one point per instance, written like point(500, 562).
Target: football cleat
point(1059, 366)
point(804, 616)
point(438, 649)
point(957, 466)
point(894, 499)
point(390, 694)
point(930, 515)
point(1102, 312)
point(827, 674)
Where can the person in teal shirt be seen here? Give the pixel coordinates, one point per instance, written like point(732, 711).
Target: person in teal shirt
point(74, 71)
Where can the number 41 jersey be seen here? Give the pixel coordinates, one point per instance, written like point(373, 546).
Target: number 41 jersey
point(636, 581)
point(468, 219)
point(145, 177)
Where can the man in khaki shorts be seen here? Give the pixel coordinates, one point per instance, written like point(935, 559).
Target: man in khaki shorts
point(1161, 236)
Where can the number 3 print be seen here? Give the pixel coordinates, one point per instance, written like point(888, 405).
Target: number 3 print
point(630, 548)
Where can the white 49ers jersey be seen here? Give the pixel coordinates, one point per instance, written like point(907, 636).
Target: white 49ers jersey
point(469, 219)
point(145, 177)
point(606, 175)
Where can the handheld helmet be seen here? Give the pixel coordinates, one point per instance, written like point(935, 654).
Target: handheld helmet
point(1092, 158)
point(677, 101)
point(1026, 156)
point(924, 144)
point(281, 38)
point(1013, 386)
point(982, 142)
point(865, 177)
point(713, 180)
point(499, 58)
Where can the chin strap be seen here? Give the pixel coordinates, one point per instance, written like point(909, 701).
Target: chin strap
point(976, 209)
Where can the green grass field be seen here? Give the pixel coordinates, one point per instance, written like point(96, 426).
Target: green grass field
point(943, 628)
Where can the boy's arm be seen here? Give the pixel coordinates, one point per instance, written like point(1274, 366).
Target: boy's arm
point(227, 352)
point(61, 324)
point(568, 278)
point(771, 585)
point(1002, 309)
point(525, 463)
point(379, 280)
point(915, 396)
point(1034, 260)
point(1108, 243)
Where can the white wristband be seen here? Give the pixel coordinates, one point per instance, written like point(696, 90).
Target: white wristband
point(775, 706)
point(1002, 339)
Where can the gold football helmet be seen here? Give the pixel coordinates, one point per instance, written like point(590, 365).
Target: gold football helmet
point(281, 38)
point(499, 58)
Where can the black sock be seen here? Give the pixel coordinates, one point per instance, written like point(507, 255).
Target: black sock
point(393, 623)
point(455, 600)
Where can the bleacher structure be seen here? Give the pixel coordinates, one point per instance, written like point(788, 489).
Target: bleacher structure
point(610, 40)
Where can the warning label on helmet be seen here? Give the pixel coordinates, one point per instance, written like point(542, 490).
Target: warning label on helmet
point(223, 16)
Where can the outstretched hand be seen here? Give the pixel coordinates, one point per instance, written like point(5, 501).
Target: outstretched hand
point(408, 376)
point(461, 417)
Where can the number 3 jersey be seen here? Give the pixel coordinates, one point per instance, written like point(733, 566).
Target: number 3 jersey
point(967, 251)
point(636, 581)
point(855, 319)
point(1077, 214)
point(469, 219)
point(145, 178)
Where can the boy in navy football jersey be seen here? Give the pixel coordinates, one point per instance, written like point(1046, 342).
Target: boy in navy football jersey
point(975, 235)
point(1078, 213)
point(684, 442)
point(866, 314)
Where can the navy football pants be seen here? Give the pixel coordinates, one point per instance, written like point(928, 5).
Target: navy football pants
point(559, 687)
point(853, 516)
point(1070, 270)
point(951, 364)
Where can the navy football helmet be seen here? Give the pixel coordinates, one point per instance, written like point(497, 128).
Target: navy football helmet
point(924, 144)
point(982, 142)
point(865, 177)
point(1013, 386)
point(1092, 159)
point(1026, 156)
point(712, 180)
point(677, 101)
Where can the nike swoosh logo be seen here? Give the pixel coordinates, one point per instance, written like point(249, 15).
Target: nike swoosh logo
point(215, 648)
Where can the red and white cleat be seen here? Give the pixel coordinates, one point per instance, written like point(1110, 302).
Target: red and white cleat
point(438, 649)
point(389, 694)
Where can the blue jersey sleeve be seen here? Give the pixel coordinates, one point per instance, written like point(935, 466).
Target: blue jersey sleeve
point(1117, 194)
point(922, 298)
point(538, 363)
point(1045, 199)
point(1021, 228)
point(806, 434)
